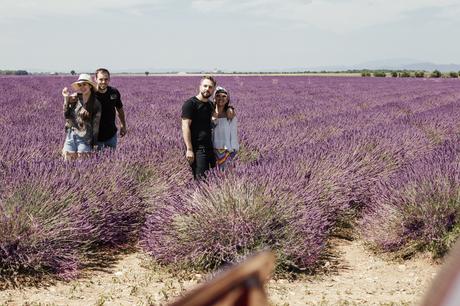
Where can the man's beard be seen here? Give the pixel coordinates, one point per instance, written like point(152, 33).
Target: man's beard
point(205, 94)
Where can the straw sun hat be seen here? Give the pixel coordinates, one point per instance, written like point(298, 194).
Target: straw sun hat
point(84, 78)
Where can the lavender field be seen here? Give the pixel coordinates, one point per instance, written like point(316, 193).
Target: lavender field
point(381, 155)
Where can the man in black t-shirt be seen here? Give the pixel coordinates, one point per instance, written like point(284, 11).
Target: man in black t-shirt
point(197, 130)
point(111, 105)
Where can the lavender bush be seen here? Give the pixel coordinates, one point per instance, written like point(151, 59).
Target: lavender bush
point(231, 216)
point(41, 231)
point(418, 207)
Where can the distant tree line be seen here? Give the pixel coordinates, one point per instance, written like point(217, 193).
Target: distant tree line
point(365, 73)
point(13, 72)
point(409, 73)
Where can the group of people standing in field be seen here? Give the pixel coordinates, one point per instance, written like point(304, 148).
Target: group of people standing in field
point(90, 114)
point(209, 128)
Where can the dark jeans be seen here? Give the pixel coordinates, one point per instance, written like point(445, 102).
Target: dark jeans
point(204, 160)
point(109, 143)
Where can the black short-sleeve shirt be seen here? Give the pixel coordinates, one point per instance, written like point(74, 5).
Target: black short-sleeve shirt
point(110, 100)
point(200, 113)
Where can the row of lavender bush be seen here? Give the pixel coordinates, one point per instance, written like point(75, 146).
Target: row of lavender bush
point(314, 150)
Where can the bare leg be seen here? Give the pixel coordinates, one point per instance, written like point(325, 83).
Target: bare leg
point(83, 155)
point(69, 155)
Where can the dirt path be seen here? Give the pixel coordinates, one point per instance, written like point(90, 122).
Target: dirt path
point(361, 279)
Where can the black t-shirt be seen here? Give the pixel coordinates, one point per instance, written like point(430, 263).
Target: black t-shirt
point(200, 113)
point(110, 100)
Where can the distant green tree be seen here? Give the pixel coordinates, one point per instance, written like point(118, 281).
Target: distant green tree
point(405, 74)
point(436, 74)
point(453, 74)
point(380, 74)
point(21, 72)
point(365, 73)
point(13, 72)
point(72, 72)
point(147, 73)
point(419, 74)
point(394, 74)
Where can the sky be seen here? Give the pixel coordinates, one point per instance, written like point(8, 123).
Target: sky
point(228, 35)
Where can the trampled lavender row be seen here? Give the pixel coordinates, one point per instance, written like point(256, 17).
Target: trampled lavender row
point(314, 151)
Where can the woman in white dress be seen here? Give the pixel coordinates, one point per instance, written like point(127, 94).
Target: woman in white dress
point(225, 136)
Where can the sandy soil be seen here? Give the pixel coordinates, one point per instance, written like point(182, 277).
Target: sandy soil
point(361, 278)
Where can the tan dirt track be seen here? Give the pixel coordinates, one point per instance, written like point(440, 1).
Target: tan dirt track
point(360, 278)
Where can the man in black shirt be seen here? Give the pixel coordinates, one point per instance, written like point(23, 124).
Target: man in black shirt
point(111, 104)
point(197, 130)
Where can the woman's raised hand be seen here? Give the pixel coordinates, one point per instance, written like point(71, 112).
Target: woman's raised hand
point(71, 98)
point(65, 92)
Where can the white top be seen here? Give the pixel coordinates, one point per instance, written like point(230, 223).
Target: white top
point(225, 135)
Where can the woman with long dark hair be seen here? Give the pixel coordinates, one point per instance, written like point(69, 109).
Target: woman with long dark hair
point(82, 112)
point(225, 137)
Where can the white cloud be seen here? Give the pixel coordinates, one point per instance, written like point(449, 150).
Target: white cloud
point(209, 5)
point(12, 9)
point(333, 15)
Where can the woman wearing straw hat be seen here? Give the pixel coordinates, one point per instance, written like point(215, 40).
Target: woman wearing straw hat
point(225, 137)
point(82, 112)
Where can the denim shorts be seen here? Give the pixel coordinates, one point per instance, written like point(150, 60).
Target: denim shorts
point(74, 143)
point(109, 143)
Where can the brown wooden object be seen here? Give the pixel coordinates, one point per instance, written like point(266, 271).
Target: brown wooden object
point(241, 285)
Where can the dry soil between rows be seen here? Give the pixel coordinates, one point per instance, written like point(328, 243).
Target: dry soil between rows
point(360, 278)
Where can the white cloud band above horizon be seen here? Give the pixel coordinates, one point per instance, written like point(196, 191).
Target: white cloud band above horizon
point(329, 15)
point(333, 15)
